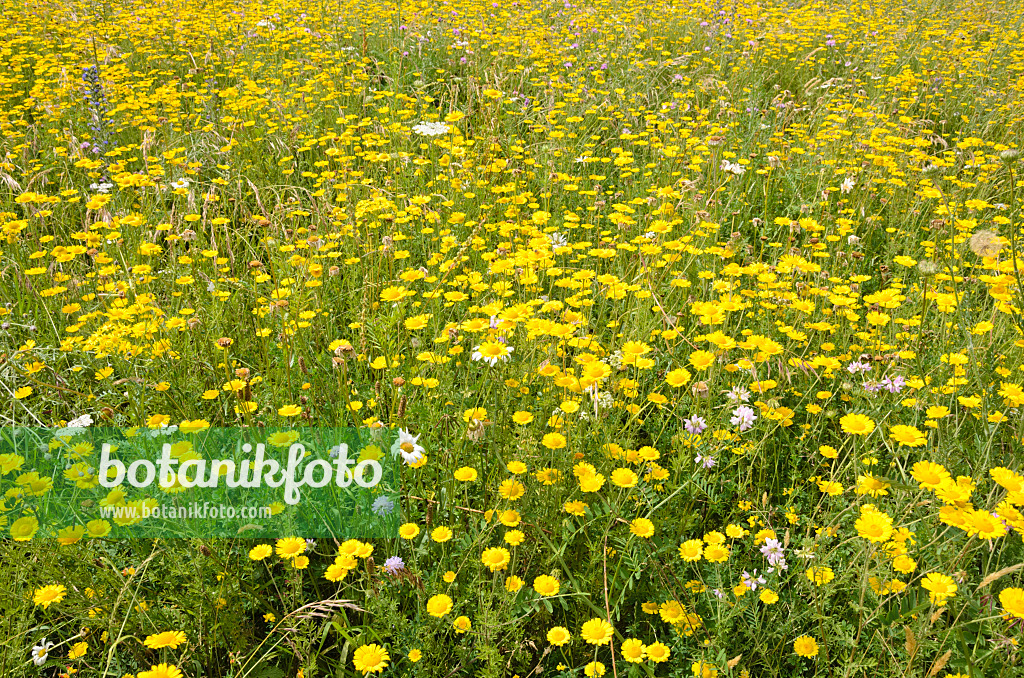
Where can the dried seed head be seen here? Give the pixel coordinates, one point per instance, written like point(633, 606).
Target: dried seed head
point(986, 243)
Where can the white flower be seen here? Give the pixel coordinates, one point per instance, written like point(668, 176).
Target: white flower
point(847, 185)
point(40, 651)
point(772, 550)
point(732, 167)
point(557, 240)
point(101, 188)
point(737, 394)
point(743, 417)
point(180, 183)
point(164, 430)
point(495, 351)
point(265, 23)
point(407, 446)
point(83, 421)
point(431, 129)
point(752, 581)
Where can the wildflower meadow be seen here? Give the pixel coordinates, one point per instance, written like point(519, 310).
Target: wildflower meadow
point(688, 338)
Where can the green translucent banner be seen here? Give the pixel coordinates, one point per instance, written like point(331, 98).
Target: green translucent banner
point(76, 483)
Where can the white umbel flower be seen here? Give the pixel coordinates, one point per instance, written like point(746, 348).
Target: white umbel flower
point(431, 129)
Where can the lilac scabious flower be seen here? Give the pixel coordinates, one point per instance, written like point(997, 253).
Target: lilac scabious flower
point(394, 564)
point(695, 425)
point(382, 506)
point(743, 417)
point(706, 461)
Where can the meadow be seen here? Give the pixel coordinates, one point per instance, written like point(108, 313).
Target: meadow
point(697, 327)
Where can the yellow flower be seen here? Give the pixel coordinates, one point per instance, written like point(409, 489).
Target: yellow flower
point(828, 451)
point(642, 527)
point(591, 482)
point(553, 441)
point(624, 477)
point(1007, 479)
point(439, 605)
point(857, 424)
point(495, 558)
point(47, 595)
point(874, 526)
point(514, 537)
point(546, 585)
point(466, 474)
point(559, 635)
point(805, 646)
point(658, 652)
point(171, 639)
point(1012, 600)
point(716, 553)
point(370, 659)
point(820, 576)
point(702, 360)
point(511, 489)
point(161, 671)
point(691, 551)
point(522, 418)
point(597, 631)
point(929, 475)
point(678, 377)
point(633, 650)
point(702, 669)
point(24, 528)
point(290, 547)
point(575, 508)
point(940, 587)
point(289, 411)
point(70, 535)
point(908, 436)
point(260, 552)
